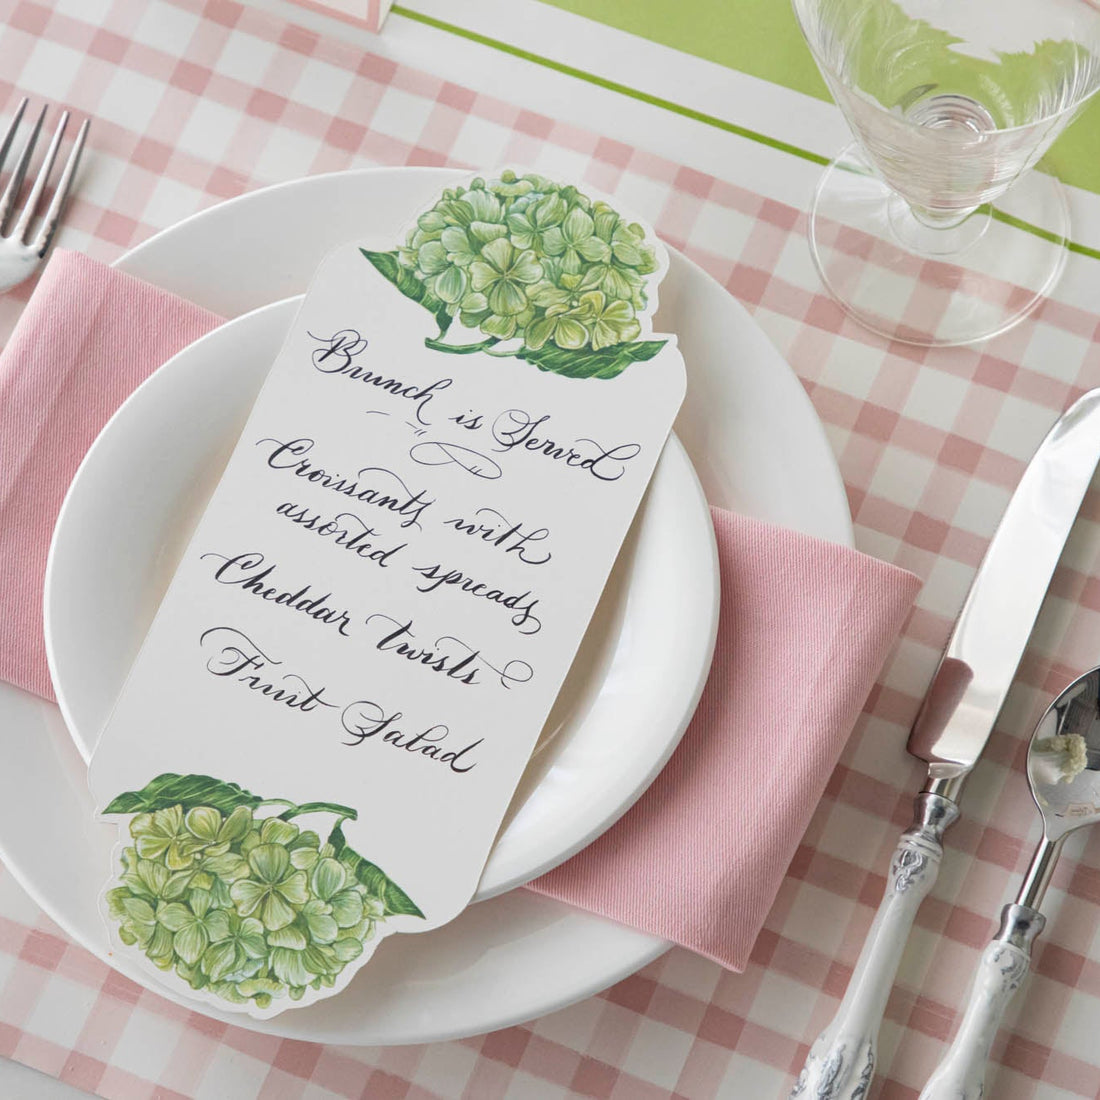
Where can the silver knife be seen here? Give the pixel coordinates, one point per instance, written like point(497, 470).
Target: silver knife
point(953, 725)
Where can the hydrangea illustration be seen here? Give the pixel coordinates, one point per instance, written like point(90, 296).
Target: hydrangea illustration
point(540, 271)
point(245, 906)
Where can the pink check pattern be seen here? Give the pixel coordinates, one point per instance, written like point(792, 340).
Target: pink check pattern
point(199, 100)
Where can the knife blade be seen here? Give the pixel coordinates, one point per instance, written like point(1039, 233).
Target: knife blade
point(996, 620)
point(954, 722)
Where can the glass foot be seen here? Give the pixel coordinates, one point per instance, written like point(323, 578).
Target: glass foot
point(936, 286)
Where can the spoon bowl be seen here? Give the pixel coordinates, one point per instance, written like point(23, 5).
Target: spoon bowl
point(1063, 759)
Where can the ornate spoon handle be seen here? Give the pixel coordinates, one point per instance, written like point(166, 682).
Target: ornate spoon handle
point(841, 1062)
point(1004, 965)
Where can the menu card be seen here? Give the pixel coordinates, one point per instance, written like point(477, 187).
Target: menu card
point(334, 704)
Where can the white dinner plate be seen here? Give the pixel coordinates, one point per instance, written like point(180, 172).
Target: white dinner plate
point(758, 447)
point(622, 710)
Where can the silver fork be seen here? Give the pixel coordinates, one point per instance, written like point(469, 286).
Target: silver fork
point(20, 251)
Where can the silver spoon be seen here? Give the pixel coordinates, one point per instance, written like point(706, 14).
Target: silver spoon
point(1063, 769)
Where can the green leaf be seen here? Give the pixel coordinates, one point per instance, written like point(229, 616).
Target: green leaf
point(459, 349)
point(586, 363)
point(389, 267)
point(186, 791)
point(339, 842)
point(377, 883)
point(371, 878)
point(321, 807)
point(398, 902)
point(194, 791)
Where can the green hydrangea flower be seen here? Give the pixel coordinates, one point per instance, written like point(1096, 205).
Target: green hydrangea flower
point(274, 888)
point(194, 926)
point(232, 954)
point(609, 320)
point(164, 834)
point(252, 908)
point(521, 258)
point(503, 274)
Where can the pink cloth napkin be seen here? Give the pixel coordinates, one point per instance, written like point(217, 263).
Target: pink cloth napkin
point(804, 628)
point(87, 338)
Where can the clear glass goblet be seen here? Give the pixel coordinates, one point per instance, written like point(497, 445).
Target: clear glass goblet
point(930, 229)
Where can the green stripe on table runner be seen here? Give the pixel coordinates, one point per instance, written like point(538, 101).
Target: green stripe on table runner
point(611, 85)
point(667, 104)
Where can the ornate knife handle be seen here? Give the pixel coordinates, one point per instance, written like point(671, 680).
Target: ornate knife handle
point(841, 1062)
point(1004, 965)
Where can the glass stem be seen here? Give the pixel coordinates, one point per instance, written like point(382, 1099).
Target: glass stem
point(935, 233)
point(940, 219)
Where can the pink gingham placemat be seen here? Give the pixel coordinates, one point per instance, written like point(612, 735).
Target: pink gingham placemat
point(930, 445)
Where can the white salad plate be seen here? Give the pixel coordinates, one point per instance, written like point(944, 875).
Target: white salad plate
point(756, 444)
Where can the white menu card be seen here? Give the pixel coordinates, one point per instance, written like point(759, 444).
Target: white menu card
point(330, 713)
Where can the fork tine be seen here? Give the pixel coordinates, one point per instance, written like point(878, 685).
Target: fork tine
point(49, 223)
point(39, 185)
point(9, 137)
point(20, 170)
